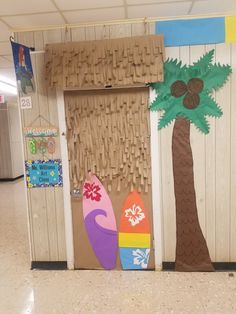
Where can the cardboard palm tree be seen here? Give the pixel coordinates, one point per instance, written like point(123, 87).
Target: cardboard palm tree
point(185, 96)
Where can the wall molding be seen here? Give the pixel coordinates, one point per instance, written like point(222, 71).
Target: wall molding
point(219, 266)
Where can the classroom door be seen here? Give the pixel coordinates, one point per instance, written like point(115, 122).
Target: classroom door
point(108, 136)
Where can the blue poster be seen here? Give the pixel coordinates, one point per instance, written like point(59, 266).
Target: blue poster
point(192, 32)
point(23, 68)
point(43, 173)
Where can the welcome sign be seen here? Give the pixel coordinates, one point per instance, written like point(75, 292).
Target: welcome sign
point(41, 131)
point(43, 173)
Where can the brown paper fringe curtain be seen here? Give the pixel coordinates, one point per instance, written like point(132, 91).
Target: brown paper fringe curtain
point(115, 62)
point(109, 134)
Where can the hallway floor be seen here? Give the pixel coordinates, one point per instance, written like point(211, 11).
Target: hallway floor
point(23, 291)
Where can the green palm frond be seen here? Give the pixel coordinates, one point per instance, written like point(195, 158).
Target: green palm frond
point(203, 63)
point(162, 103)
point(172, 66)
point(209, 107)
point(216, 76)
point(174, 103)
point(198, 120)
point(172, 70)
point(201, 124)
point(167, 118)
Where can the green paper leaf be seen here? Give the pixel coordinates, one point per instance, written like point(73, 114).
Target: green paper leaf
point(209, 107)
point(202, 65)
point(201, 123)
point(156, 85)
point(213, 75)
point(172, 66)
point(167, 118)
point(216, 76)
point(158, 106)
point(172, 70)
point(162, 103)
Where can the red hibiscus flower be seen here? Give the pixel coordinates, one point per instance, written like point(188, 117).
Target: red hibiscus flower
point(92, 191)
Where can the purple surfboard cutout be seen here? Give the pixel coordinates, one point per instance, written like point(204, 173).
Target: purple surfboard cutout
point(103, 241)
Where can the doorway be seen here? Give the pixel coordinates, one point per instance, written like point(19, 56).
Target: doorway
point(108, 136)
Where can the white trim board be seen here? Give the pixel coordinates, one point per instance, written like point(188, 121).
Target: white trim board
point(66, 181)
point(156, 195)
point(26, 191)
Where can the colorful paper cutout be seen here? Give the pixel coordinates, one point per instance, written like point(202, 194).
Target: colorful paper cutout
point(43, 173)
point(186, 97)
point(140, 240)
point(134, 233)
point(51, 145)
point(92, 191)
point(100, 222)
point(134, 218)
point(192, 31)
point(134, 214)
point(103, 240)
point(200, 79)
point(42, 146)
point(32, 146)
point(133, 258)
point(230, 29)
point(198, 31)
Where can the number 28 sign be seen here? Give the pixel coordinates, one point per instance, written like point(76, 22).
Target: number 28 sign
point(26, 102)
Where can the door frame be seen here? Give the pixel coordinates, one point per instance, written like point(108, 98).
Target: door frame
point(156, 185)
point(155, 170)
point(66, 180)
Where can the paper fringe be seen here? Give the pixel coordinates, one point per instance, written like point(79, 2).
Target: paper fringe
point(116, 62)
point(109, 134)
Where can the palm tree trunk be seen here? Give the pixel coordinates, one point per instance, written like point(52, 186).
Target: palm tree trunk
point(191, 249)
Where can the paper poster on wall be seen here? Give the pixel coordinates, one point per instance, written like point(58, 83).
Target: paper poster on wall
point(192, 32)
point(186, 97)
point(23, 68)
point(198, 31)
point(43, 173)
point(230, 26)
point(134, 233)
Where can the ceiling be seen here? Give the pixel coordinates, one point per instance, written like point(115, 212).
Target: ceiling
point(31, 14)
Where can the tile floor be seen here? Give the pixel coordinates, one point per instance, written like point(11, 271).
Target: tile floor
point(23, 291)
